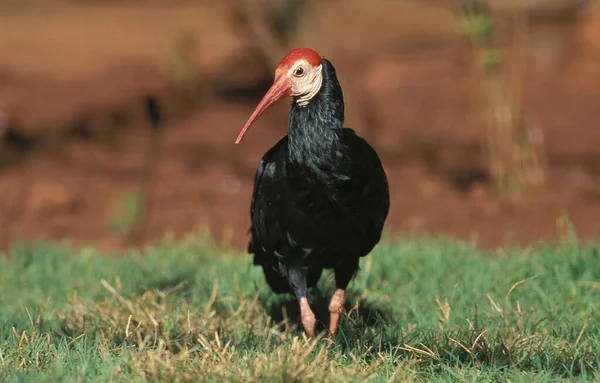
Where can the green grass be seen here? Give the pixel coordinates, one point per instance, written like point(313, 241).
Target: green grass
point(420, 310)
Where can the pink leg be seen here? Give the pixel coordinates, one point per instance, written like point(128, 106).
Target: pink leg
point(308, 318)
point(336, 305)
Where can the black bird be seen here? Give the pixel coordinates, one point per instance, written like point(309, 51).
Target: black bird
point(320, 195)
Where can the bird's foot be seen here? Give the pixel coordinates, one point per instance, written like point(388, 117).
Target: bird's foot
point(336, 305)
point(308, 318)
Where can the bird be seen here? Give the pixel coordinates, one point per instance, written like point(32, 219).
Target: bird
point(321, 194)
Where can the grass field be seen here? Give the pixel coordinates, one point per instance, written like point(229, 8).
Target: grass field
point(420, 310)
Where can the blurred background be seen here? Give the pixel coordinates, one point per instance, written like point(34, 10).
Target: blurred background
point(118, 117)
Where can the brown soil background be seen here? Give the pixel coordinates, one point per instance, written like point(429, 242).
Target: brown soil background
point(73, 75)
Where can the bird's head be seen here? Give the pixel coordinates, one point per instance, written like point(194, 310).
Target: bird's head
point(298, 74)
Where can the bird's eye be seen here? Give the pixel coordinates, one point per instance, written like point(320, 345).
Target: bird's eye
point(299, 72)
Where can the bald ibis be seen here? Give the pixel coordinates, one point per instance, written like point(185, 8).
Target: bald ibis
point(320, 195)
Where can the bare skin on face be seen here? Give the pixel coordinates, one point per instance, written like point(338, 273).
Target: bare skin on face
point(306, 81)
point(308, 318)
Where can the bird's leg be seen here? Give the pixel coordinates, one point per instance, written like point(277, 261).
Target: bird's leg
point(336, 305)
point(307, 317)
point(297, 279)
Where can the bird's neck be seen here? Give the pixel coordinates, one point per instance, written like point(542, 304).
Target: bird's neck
point(315, 130)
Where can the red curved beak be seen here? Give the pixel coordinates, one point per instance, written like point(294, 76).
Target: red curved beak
point(279, 89)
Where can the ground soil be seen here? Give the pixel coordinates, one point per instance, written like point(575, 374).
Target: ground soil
point(73, 76)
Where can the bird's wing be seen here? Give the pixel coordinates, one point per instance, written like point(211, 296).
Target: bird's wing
point(263, 181)
point(374, 185)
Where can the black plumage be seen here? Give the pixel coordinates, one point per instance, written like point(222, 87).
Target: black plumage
point(320, 197)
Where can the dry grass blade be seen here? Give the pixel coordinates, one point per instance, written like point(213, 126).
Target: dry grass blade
point(461, 345)
point(445, 310)
point(76, 339)
point(477, 339)
point(213, 296)
point(495, 305)
point(595, 285)
point(127, 327)
point(581, 332)
point(414, 350)
point(115, 293)
point(519, 283)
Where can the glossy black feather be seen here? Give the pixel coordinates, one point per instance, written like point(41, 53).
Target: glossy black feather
point(320, 196)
